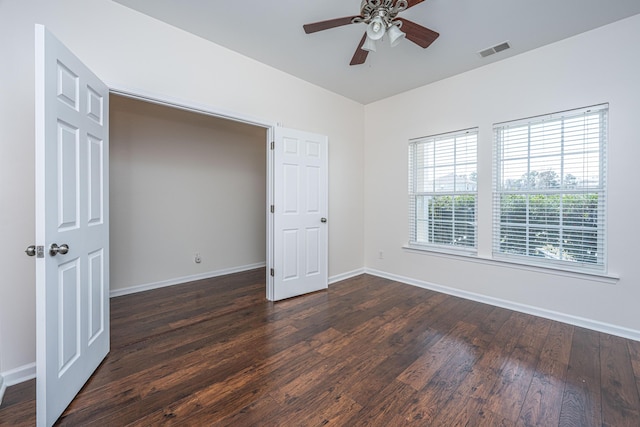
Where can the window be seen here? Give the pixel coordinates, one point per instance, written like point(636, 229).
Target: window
point(443, 190)
point(549, 189)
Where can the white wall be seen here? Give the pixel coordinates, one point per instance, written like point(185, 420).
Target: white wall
point(130, 50)
point(183, 183)
point(596, 67)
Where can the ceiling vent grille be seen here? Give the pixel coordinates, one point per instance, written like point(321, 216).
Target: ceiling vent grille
point(494, 49)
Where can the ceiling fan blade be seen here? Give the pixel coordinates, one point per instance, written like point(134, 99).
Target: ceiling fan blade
point(418, 34)
point(325, 25)
point(413, 3)
point(360, 55)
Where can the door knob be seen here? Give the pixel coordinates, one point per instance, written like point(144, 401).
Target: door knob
point(55, 249)
point(323, 219)
point(31, 250)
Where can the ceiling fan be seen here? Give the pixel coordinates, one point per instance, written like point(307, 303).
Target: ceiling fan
point(381, 17)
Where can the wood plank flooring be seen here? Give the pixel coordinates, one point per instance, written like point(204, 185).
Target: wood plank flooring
point(367, 352)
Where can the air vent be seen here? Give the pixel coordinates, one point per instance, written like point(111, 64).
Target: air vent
point(494, 49)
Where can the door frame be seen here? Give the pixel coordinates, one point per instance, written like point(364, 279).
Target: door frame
point(209, 110)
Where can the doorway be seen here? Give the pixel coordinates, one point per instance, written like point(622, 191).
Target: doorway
point(188, 195)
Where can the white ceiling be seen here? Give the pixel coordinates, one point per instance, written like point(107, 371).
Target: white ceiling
point(270, 31)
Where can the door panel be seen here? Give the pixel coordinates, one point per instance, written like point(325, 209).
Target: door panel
point(71, 208)
point(95, 178)
point(313, 246)
point(68, 168)
point(290, 251)
point(97, 292)
point(68, 315)
point(301, 202)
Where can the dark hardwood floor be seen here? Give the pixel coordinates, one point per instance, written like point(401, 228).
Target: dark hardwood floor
point(368, 351)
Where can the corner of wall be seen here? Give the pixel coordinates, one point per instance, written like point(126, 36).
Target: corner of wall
point(3, 387)
point(3, 384)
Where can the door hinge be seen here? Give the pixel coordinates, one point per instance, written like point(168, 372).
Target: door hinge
point(273, 208)
point(272, 272)
point(273, 145)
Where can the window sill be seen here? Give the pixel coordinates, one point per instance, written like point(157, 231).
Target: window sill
point(473, 257)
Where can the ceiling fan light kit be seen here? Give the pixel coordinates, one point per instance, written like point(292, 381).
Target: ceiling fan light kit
point(369, 45)
point(376, 28)
point(395, 35)
point(380, 16)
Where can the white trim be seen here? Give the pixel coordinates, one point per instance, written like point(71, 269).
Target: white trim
point(345, 276)
point(523, 308)
point(187, 105)
point(442, 249)
point(551, 116)
point(507, 263)
point(3, 387)
point(185, 279)
point(20, 374)
point(269, 217)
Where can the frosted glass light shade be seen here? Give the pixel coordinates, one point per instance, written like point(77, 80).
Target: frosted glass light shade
point(369, 45)
point(395, 35)
point(376, 28)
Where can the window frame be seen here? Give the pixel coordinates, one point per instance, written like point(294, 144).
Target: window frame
point(563, 192)
point(414, 194)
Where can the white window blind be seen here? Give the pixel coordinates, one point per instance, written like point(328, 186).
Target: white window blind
point(550, 189)
point(443, 190)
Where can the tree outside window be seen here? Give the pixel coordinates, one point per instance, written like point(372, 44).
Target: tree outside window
point(549, 189)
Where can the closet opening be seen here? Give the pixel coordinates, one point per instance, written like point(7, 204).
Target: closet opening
point(188, 195)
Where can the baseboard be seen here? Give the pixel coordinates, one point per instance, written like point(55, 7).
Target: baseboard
point(18, 375)
point(185, 279)
point(523, 308)
point(345, 276)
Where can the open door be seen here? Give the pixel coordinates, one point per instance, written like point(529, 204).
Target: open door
point(72, 225)
point(300, 210)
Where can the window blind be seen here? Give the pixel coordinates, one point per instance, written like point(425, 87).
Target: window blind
point(443, 190)
point(549, 202)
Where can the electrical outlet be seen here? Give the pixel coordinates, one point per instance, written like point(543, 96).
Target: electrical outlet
point(197, 258)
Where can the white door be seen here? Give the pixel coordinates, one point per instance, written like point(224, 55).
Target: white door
point(300, 238)
point(72, 195)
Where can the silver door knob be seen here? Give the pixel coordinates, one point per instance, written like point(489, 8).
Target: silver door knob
point(31, 250)
point(55, 249)
point(323, 219)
